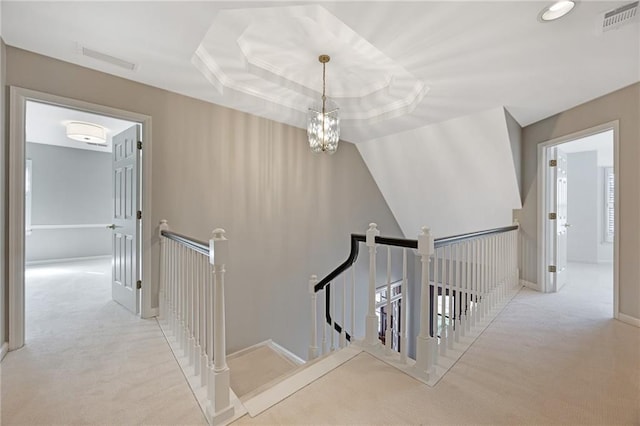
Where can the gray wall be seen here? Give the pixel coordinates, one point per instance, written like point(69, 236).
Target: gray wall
point(622, 105)
point(4, 197)
point(582, 210)
point(69, 187)
point(288, 213)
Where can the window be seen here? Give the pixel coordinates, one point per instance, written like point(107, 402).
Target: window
point(27, 197)
point(609, 198)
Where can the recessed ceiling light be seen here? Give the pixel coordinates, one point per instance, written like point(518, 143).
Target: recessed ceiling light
point(557, 10)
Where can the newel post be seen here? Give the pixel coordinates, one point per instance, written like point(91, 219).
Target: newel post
point(313, 346)
point(371, 330)
point(162, 301)
point(219, 408)
point(425, 343)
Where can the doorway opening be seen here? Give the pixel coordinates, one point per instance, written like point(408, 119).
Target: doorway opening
point(577, 215)
point(69, 210)
point(75, 206)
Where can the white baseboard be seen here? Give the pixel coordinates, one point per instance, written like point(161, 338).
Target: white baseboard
point(3, 350)
point(530, 285)
point(67, 259)
point(247, 349)
point(274, 346)
point(627, 319)
point(285, 352)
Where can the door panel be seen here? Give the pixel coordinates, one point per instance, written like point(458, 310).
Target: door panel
point(560, 225)
point(125, 207)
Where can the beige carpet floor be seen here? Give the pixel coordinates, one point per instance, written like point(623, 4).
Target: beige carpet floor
point(255, 368)
point(547, 359)
point(89, 361)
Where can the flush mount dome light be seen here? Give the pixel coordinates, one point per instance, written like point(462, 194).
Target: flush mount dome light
point(86, 132)
point(557, 10)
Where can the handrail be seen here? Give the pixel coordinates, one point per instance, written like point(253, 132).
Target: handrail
point(193, 244)
point(440, 242)
point(402, 242)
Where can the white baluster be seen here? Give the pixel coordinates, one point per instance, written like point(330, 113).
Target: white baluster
point(457, 304)
point(388, 335)
point(353, 303)
point(433, 305)
point(191, 348)
point(313, 346)
point(343, 332)
point(323, 319)
point(371, 331)
point(474, 282)
point(404, 321)
point(450, 285)
point(332, 313)
point(183, 304)
point(204, 324)
point(465, 295)
point(172, 281)
point(196, 295)
point(425, 344)
point(444, 337)
point(220, 407)
point(162, 303)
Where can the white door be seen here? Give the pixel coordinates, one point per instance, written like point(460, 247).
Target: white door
point(559, 225)
point(125, 220)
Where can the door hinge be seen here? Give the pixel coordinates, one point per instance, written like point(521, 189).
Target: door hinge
point(139, 144)
point(553, 216)
point(553, 163)
point(139, 215)
point(552, 268)
point(139, 284)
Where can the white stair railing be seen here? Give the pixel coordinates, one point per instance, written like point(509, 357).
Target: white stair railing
point(464, 281)
point(192, 312)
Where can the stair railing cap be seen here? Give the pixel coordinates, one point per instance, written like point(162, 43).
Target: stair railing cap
point(372, 233)
point(218, 248)
point(425, 242)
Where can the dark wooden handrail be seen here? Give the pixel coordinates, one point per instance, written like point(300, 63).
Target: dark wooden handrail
point(193, 244)
point(402, 242)
point(356, 239)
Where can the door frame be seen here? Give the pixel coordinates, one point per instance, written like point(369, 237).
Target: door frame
point(16, 247)
point(545, 249)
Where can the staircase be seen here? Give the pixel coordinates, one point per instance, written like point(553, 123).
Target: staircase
point(465, 282)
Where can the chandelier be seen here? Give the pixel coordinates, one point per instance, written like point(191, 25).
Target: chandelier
point(323, 123)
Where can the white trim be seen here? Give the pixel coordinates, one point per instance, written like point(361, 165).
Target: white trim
point(16, 255)
point(286, 353)
point(65, 259)
point(248, 349)
point(77, 226)
point(529, 284)
point(3, 350)
point(292, 384)
point(628, 319)
point(543, 255)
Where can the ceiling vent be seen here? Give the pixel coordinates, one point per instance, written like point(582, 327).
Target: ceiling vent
point(617, 17)
point(103, 57)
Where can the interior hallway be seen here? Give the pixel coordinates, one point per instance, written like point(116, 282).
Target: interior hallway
point(92, 362)
point(87, 360)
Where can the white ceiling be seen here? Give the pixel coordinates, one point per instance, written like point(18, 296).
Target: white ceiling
point(46, 124)
point(395, 66)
